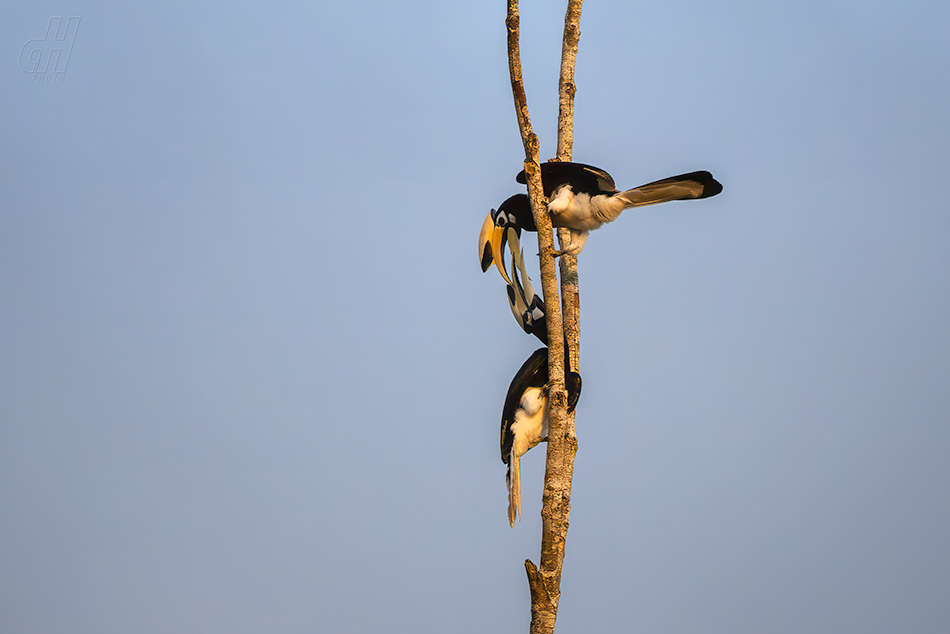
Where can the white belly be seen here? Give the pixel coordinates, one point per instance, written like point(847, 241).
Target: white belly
point(531, 421)
point(579, 211)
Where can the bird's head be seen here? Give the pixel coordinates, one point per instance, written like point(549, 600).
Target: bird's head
point(514, 213)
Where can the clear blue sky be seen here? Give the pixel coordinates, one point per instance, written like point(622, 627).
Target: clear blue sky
point(251, 375)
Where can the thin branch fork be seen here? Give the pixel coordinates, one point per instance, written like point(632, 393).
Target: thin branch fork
point(545, 582)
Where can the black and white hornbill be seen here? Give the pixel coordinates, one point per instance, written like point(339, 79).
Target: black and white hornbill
point(524, 419)
point(514, 214)
point(526, 305)
point(583, 198)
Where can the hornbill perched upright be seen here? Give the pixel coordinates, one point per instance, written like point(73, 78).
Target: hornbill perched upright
point(583, 198)
point(524, 419)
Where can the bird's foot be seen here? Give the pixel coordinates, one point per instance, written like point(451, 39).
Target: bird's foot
point(555, 253)
point(571, 241)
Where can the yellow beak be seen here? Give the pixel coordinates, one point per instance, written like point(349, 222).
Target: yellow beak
point(491, 244)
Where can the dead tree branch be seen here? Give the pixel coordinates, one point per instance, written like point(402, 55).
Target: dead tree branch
point(545, 582)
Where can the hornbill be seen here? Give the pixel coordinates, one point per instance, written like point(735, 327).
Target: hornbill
point(526, 305)
point(514, 213)
point(524, 419)
point(583, 198)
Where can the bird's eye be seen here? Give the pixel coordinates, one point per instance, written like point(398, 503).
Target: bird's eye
point(501, 219)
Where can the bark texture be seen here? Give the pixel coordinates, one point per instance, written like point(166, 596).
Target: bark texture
point(545, 582)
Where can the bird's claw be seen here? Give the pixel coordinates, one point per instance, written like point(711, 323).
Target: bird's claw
point(555, 253)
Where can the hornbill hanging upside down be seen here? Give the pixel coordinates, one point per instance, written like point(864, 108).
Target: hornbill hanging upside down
point(526, 305)
point(524, 419)
point(514, 214)
point(582, 198)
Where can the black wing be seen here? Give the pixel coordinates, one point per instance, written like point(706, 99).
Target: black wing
point(573, 382)
point(533, 373)
point(582, 178)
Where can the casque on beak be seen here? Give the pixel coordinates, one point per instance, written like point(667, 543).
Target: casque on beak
point(491, 245)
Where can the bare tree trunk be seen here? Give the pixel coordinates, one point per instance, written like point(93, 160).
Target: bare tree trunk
point(570, 294)
point(545, 583)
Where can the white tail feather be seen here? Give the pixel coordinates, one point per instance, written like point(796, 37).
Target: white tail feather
point(513, 480)
point(661, 193)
